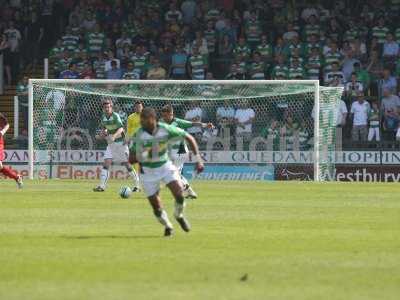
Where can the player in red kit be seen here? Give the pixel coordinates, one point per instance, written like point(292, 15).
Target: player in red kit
point(7, 171)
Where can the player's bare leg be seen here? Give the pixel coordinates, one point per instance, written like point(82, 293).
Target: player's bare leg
point(132, 173)
point(161, 214)
point(104, 175)
point(8, 172)
point(177, 191)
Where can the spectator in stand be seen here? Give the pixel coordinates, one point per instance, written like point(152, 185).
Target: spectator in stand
point(353, 87)
point(233, 73)
point(5, 49)
point(296, 71)
point(131, 72)
point(225, 47)
point(197, 65)
point(374, 123)
point(110, 58)
point(362, 76)
point(360, 110)
point(115, 72)
point(34, 36)
point(99, 66)
point(390, 108)
point(70, 40)
point(89, 23)
point(290, 33)
point(242, 49)
point(173, 13)
point(332, 55)
point(178, 63)
point(388, 81)
point(225, 115)
point(390, 49)
point(265, 50)
point(188, 9)
point(95, 41)
point(348, 65)
point(140, 59)
point(156, 71)
point(194, 114)
point(14, 40)
point(280, 70)
point(87, 71)
point(70, 73)
point(380, 31)
point(335, 77)
point(359, 49)
point(257, 67)
point(211, 37)
point(253, 31)
point(314, 64)
point(244, 119)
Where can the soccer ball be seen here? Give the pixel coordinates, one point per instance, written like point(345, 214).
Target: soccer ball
point(125, 192)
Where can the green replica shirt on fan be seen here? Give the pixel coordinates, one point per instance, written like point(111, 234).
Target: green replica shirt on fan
point(112, 123)
point(151, 149)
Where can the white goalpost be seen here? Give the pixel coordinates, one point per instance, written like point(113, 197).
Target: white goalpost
point(292, 118)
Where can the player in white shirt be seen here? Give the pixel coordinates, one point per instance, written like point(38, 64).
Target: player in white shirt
point(150, 150)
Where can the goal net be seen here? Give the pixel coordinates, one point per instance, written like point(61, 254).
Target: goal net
point(264, 130)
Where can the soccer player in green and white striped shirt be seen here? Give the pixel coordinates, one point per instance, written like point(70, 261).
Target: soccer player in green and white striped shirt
point(117, 150)
point(150, 150)
point(179, 152)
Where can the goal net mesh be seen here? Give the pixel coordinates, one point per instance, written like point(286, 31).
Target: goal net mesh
point(265, 124)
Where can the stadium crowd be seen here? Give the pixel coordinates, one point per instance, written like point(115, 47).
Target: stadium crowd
point(354, 44)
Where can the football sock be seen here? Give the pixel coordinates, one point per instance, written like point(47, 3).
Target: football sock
point(103, 178)
point(134, 176)
point(185, 182)
point(9, 172)
point(179, 207)
point(162, 217)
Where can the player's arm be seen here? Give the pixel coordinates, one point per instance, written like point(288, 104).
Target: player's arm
point(203, 125)
point(4, 130)
point(184, 124)
point(6, 125)
point(195, 149)
point(116, 134)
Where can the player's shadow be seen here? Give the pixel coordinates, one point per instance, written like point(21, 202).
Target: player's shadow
point(92, 237)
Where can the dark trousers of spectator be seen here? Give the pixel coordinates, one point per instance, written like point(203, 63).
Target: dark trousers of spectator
point(14, 58)
point(359, 133)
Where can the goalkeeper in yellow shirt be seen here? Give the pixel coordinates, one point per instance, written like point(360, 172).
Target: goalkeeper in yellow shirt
point(133, 124)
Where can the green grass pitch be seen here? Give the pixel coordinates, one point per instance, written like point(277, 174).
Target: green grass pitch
point(59, 240)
